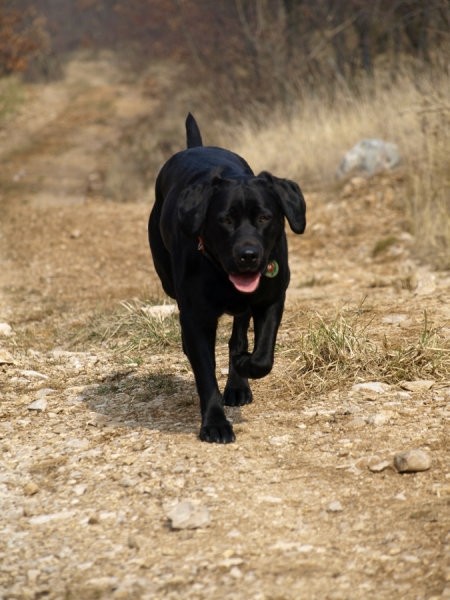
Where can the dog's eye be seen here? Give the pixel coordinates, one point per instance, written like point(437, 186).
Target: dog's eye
point(226, 220)
point(264, 218)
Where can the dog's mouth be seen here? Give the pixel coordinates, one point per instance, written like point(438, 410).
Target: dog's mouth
point(245, 282)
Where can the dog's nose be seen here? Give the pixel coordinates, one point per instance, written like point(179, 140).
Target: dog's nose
point(248, 257)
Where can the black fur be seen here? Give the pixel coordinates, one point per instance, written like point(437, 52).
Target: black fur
point(216, 234)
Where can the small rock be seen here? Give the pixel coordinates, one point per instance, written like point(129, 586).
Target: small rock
point(400, 496)
point(412, 461)
point(160, 311)
point(30, 374)
point(378, 419)
point(6, 330)
point(39, 404)
point(357, 423)
point(236, 573)
point(30, 488)
point(44, 392)
point(419, 385)
point(394, 319)
point(59, 516)
point(188, 515)
point(100, 585)
point(270, 499)
point(335, 506)
point(79, 489)
point(369, 156)
point(279, 440)
point(6, 357)
point(377, 467)
point(376, 387)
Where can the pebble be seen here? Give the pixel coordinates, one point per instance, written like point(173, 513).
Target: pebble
point(59, 516)
point(80, 489)
point(30, 488)
point(394, 319)
point(377, 467)
point(377, 387)
point(6, 357)
point(419, 385)
point(33, 374)
point(412, 461)
point(6, 330)
point(188, 515)
point(44, 392)
point(378, 419)
point(160, 311)
point(39, 404)
point(100, 585)
point(279, 440)
point(335, 506)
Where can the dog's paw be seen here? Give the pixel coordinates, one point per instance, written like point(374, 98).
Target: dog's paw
point(237, 396)
point(219, 433)
point(249, 368)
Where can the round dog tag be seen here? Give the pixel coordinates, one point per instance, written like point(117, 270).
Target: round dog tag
point(272, 269)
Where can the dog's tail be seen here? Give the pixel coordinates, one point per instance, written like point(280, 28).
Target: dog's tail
point(193, 135)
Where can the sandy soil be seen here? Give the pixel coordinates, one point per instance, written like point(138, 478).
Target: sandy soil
point(97, 447)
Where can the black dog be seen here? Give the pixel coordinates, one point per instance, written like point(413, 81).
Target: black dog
point(217, 238)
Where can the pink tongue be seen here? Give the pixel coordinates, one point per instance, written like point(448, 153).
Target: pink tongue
point(245, 283)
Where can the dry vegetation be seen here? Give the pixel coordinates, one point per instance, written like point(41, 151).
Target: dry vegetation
point(310, 142)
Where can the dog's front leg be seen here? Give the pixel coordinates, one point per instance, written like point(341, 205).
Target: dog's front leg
point(260, 362)
point(199, 338)
point(237, 391)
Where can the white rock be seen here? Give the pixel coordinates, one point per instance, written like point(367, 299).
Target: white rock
point(188, 515)
point(378, 419)
point(30, 374)
point(44, 392)
point(369, 156)
point(160, 311)
point(6, 357)
point(39, 404)
point(419, 385)
point(79, 489)
point(101, 585)
point(6, 330)
point(59, 516)
point(376, 387)
point(270, 499)
point(412, 461)
point(394, 319)
point(280, 440)
point(334, 506)
point(379, 466)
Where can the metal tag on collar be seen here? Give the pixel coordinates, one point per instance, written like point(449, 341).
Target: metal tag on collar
point(272, 269)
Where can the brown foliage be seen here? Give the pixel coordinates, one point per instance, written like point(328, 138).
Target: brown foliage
point(22, 37)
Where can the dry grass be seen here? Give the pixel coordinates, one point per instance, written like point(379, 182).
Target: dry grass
point(329, 353)
point(309, 144)
point(340, 350)
point(131, 330)
point(429, 183)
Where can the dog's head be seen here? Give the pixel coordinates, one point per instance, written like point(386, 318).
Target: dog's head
point(240, 221)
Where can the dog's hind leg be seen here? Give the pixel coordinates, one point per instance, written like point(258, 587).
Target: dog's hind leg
point(237, 391)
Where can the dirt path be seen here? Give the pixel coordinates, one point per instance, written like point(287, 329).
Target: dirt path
point(98, 443)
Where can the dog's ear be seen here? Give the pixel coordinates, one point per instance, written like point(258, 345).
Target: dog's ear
point(194, 201)
point(291, 200)
point(192, 207)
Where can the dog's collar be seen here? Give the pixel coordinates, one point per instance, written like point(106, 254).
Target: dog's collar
point(271, 271)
